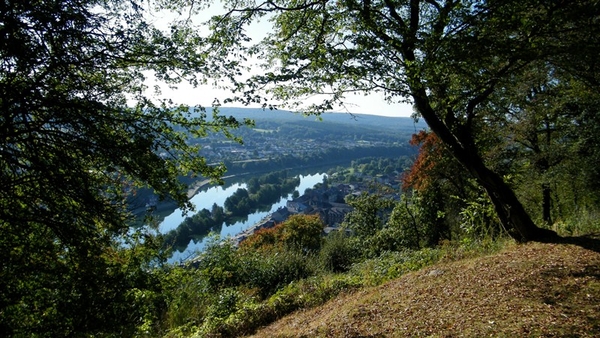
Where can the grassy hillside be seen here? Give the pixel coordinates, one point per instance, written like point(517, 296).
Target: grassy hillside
point(531, 290)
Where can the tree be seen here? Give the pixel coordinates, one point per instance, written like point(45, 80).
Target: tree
point(303, 232)
point(217, 213)
point(439, 185)
point(370, 213)
point(238, 203)
point(545, 147)
point(446, 57)
point(78, 137)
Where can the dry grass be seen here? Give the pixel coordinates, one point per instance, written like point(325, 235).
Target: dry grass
point(531, 290)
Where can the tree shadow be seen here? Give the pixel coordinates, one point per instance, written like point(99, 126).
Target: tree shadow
point(570, 290)
point(590, 241)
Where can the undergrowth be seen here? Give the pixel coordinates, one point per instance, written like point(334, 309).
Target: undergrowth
point(237, 310)
point(233, 291)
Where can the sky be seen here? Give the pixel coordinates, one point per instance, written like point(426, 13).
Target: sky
point(204, 95)
point(373, 104)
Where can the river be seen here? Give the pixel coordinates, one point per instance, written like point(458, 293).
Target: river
point(205, 199)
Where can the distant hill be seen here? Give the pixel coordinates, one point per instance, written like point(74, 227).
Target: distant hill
point(401, 124)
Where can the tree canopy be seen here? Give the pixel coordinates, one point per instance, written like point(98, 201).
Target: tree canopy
point(453, 60)
point(510, 88)
point(79, 135)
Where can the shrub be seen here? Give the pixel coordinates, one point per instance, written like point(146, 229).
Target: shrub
point(390, 265)
point(337, 253)
point(583, 222)
point(263, 239)
point(268, 271)
point(219, 264)
point(302, 232)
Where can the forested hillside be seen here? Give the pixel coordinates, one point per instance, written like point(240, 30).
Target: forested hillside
point(282, 139)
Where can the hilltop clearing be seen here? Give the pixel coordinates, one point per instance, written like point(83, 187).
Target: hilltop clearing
point(529, 290)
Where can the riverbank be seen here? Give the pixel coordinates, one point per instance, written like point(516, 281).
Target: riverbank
point(194, 188)
point(162, 209)
point(205, 199)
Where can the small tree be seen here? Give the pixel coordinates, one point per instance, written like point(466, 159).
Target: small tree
point(303, 232)
point(370, 213)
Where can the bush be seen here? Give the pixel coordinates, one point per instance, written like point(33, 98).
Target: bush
point(337, 253)
point(581, 223)
point(268, 271)
point(249, 314)
point(219, 264)
point(300, 232)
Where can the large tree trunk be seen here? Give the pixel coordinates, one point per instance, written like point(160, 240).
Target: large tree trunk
point(510, 211)
point(456, 135)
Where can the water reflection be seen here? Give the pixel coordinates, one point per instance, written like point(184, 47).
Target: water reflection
point(205, 199)
point(202, 200)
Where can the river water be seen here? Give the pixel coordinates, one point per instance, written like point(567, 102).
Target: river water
point(205, 199)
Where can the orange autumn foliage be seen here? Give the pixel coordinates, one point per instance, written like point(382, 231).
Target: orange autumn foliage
point(423, 171)
point(263, 239)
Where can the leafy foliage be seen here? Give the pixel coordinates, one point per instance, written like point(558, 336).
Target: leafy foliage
point(338, 253)
point(78, 138)
point(298, 232)
point(370, 213)
point(453, 60)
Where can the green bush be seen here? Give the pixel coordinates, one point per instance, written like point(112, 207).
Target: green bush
point(581, 223)
point(268, 271)
point(219, 264)
point(225, 304)
point(337, 253)
point(189, 297)
point(249, 314)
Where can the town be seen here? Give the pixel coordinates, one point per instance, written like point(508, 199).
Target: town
point(327, 201)
point(289, 138)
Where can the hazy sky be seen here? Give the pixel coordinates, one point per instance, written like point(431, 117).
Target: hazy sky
point(371, 104)
point(204, 95)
